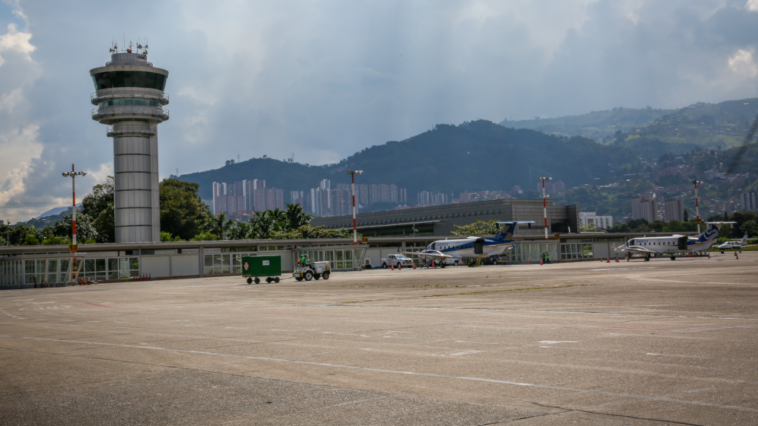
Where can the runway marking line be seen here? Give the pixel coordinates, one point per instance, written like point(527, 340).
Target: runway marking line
point(408, 373)
point(370, 317)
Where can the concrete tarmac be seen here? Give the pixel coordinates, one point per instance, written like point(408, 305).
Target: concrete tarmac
point(628, 343)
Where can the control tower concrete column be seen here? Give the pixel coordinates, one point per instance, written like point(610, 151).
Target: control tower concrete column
point(130, 99)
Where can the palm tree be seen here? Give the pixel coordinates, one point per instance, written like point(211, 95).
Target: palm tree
point(219, 226)
point(240, 231)
point(262, 225)
point(296, 217)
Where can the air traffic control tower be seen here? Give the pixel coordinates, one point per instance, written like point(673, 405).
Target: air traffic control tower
point(130, 101)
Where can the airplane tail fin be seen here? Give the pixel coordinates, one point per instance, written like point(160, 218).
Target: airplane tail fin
point(507, 229)
point(711, 231)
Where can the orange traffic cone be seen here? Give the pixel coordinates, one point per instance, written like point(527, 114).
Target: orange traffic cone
point(432, 264)
point(414, 265)
point(735, 255)
point(617, 259)
point(527, 261)
point(399, 266)
point(627, 258)
point(392, 266)
point(608, 260)
point(540, 262)
point(709, 255)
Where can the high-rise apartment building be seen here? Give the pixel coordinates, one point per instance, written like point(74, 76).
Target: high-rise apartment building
point(600, 222)
point(749, 201)
point(245, 197)
point(644, 207)
point(673, 209)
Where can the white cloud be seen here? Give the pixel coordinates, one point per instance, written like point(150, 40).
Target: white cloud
point(742, 64)
point(16, 41)
point(9, 101)
point(99, 175)
point(19, 150)
point(752, 5)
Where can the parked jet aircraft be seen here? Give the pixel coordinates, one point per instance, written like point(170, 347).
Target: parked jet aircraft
point(472, 247)
point(672, 245)
point(733, 244)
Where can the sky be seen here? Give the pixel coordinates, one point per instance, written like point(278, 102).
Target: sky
point(324, 79)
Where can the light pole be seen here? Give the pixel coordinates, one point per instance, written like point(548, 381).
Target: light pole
point(697, 204)
point(73, 174)
point(352, 174)
point(544, 201)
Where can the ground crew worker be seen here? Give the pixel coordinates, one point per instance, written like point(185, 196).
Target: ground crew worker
point(547, 257)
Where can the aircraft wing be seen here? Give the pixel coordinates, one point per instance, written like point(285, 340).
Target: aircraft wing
point(633, 249)
point(431, 254)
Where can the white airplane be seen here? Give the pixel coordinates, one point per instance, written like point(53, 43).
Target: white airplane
point(472, 247)
point(672, 245)
point(733, 244)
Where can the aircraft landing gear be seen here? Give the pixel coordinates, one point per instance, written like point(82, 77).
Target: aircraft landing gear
point(647, 258)
point(673, 257)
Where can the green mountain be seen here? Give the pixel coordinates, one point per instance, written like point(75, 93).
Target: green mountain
point(473, 156)
point(653, 132)
point(719, 125)
point(597, 125)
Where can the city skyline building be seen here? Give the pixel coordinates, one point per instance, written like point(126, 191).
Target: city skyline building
point(245, 197)
point(129, 97)
point(644, 207)
point(600, 222)
point(673, 209)
point(749, 201)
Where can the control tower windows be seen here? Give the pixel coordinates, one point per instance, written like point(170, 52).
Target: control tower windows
point(125, 102)
point(119, 79)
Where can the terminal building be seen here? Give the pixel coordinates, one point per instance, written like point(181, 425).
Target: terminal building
point(441, 220)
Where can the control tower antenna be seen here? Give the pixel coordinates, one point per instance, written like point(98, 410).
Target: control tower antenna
point(130, 99)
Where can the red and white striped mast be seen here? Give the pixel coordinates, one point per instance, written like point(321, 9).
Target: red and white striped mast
point(544, 201)
point(697, 204)
point(73, 174)
point(352, 174)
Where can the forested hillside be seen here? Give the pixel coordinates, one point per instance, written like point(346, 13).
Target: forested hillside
point(656, 131)
point(597, 125)
point(473, 156)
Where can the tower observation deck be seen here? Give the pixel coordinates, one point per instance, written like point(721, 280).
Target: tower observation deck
point(130, 99)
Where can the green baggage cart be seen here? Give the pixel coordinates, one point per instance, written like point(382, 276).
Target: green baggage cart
point(255, 268)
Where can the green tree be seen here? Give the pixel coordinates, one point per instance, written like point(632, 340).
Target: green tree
point(296, 217)
point(85, 231)
point(32, 238)
point(167, 237)
point(308, 231)
point(55, 240)
point(477, 228)
point(240, 231)
point(205, 236)
point(263, 224)
point(105, 224)
point(219, 226)
point(183, 212)
point(748, 227)
point(99, 206)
